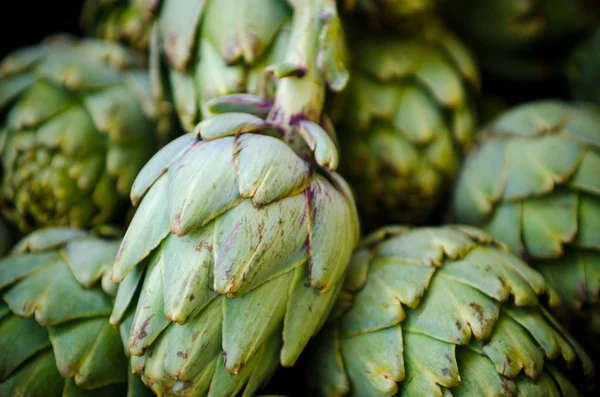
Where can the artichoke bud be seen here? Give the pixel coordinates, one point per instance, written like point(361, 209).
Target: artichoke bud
point(72, 121)
point(444, 311)
point(242, 265)
point(407, 118)
point(533, 183)
point(54, 326)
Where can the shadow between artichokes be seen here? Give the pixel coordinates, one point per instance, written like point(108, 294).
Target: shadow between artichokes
point(444, 311)
point(522, 41)
point(77, 123)
point(534, 183)
point(55, 338)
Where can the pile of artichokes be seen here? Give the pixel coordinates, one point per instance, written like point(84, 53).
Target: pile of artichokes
point(303, 198)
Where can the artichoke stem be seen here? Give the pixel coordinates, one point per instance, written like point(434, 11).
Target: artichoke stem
point(301, 89)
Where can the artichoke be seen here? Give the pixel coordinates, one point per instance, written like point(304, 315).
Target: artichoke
point(125, 21)
point(243, 232)
point(55, 339)
point(395, 14)
point(522, 40)
point(407, 117)
point(77, 123)
point(534, 183)
point(444, 311)
point(206, 49)
point(583, 70)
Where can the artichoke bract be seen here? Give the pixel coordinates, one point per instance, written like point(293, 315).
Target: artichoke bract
point(206, 49)
point(583, 70)
point(126, 21)
point(534, 183)
point(77, 123)
point(522, 40)
point(394, 14)
point(55, 338)
point(444, 311)
point(407, 118)
point(243, 231)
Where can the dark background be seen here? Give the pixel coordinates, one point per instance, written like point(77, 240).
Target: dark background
point(28, 22)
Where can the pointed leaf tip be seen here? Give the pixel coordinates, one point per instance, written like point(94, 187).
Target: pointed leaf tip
point(320, 143)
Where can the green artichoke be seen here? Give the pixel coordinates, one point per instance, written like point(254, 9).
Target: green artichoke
point(243, 232)
point(522, 40)
point(407, 117)
point(395, 14)
point(206, 49)
point(240, 268)
point(583, 70)
point(534, 183)
point(126, 21)
point(77, 123)
point(444, 311)
point(55, 339)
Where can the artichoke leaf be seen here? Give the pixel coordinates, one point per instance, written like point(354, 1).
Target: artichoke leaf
point(89, 350)
point(377, 361)
point(149, 226)
point(55, 296)
point(259, 160)
point(202, 185)
point(14, 348)
point(188, 273)
point(251, 319)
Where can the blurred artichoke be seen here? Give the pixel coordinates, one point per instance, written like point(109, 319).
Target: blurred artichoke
point(444, 311)
point(125, 21)
point(406, 118)
point(583, 70)
point(534, 183)
point(206, 49)
point(394, 14)
point(55, 339)
point(77, 122)
point(240, 242)
point(522, 40)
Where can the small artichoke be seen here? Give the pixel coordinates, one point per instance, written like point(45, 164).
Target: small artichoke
point(55, 339)
point(534, 184)
point(522, 40)
point(126, 21)
point(583, 70)
point(407, 118)
point(444, 311)
point(77, 122)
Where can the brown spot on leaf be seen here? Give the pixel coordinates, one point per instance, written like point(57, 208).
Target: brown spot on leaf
point(204, 246)
point(142, 334)
point(458, 325)
point(192, 297)
point(479, 311)
point(446, 372)
point(183, 355)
